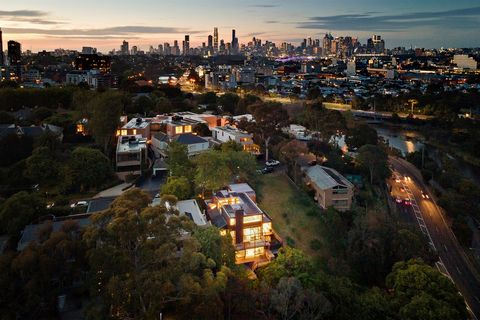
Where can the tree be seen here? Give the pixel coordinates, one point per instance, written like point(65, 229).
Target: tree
point(289, 263)
point(177, 186)
point(202, 130)
point(14, 148)
point(228, 103)
point(241, 165)
point(216, 247)
point(141, 105)
point(270, 119)
point(177, 160)
point(141, 264)
point(293, 149)
point(422, 292)
point(361, 135)
point(87, 168)
point(42, 166)
point(19, 210)
point(106, 109)
point(212, 172)
point(163, 105)
point(374, 161)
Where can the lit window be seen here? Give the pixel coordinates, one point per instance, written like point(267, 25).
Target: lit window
point(124, 132)
point(178, 130)
point(187, 129)
point(252, 219)
point(134, 131)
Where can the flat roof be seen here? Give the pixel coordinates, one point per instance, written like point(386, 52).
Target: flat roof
point(131, 143)
point(232, 131)
point(137, 123)
point(240, 187)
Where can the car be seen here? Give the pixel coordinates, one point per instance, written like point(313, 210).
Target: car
point(265, 170)
point(407, 178)
point(407, 202)
point(425, 196)
point(398, 200)
point(79, 204)
point(272, 163)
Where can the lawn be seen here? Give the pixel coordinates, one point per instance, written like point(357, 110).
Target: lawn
point(288, 207)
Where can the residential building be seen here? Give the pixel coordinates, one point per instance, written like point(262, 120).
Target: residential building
point(228, 133)
point(93, 62)
point(188, 208)
point(136, 126)
point(33, 232)
point(131, 154)
point(195, 144)
point(237, 214)
point(330, 187)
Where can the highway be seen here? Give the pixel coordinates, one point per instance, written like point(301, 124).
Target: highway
point(429, 216)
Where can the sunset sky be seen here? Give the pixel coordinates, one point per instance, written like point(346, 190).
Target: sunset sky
point(50, 24)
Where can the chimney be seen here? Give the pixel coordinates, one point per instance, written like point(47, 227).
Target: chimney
point(238, 226)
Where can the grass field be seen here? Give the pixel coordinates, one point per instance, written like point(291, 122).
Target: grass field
point(288, 207)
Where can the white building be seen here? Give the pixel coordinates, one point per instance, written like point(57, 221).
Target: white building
point(463, 61)
point(228, 133)
point(131, 154)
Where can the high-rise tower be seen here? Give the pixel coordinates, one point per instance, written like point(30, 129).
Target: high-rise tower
point(2, 58)
point(215, 39)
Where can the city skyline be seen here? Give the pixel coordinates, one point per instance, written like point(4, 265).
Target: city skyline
point(406, 24)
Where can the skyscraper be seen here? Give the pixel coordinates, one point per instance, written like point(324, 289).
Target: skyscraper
point(15, 58)
point(186, 45)
point(210, 42)
point(2, 58)
point(124, 48)
point(215, 39)
point(14, 53)
point(234, 42)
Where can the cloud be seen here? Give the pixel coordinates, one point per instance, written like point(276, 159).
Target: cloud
point(111, 31)
point(456, 19)
point(263, 5)
point(22, 13)
point(27, 16)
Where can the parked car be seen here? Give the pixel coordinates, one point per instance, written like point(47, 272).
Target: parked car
point(425, 196)
point(272, 163)
point(265, 170)
point(407, 202)
point(79, 204)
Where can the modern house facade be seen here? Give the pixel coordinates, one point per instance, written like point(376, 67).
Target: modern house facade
point(228, 133)
point(237, 214)
point(131, 154)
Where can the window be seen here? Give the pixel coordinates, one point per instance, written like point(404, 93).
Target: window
point(267, 228)
point(340, 203)
point(178, 130)
point(340, 191)
point(252, 219)
point(187, 129)
point(252, 234)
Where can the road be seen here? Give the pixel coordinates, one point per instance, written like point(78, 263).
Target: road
point(451, 254)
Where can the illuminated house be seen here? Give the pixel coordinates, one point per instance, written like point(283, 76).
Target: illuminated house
point(136, 126)
point(229, 133)
point(235, 212)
